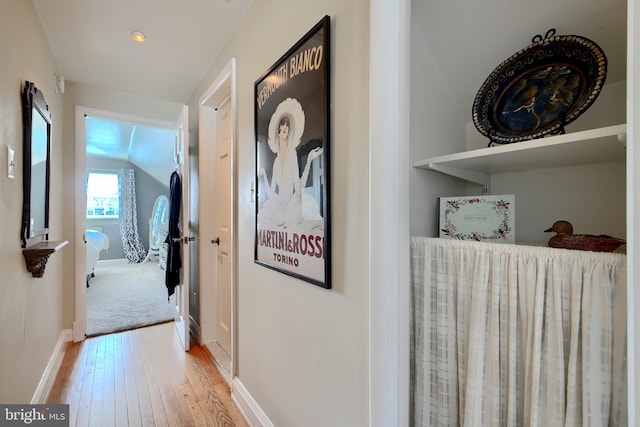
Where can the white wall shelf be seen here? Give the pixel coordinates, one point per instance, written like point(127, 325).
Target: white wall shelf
point(584, 147)
point(37, 255)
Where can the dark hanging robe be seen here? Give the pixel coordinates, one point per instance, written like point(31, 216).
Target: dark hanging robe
point(174, 261)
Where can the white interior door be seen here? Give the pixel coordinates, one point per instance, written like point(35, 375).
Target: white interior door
point(217, 198)
point(223, 220)
point(182, 291)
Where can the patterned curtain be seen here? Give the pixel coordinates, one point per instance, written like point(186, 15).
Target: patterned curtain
point(131, 243)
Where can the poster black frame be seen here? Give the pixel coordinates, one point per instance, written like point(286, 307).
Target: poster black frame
point(298, 75)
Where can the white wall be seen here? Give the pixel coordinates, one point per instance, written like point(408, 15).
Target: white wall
point(302, 350)
point(435, 130)
point(30, 309)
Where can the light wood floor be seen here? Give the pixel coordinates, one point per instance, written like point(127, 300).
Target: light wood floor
point(143, 378)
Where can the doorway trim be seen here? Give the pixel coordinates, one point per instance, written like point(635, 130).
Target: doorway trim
point(80, 315)
point(389, 355)
point(222, 88)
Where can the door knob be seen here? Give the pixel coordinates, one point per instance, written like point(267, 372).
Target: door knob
point(216, 241)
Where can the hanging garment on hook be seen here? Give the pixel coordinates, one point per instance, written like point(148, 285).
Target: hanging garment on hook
point(174, 260)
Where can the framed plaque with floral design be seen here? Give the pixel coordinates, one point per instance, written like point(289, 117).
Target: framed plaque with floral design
point(481, 218)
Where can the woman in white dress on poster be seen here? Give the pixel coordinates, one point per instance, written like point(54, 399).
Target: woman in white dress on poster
point(286, 204)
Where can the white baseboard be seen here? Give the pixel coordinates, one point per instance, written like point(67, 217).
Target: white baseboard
point(252, 412)
point(49, 375)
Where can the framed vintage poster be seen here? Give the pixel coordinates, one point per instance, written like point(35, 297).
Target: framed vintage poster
point(292, 232)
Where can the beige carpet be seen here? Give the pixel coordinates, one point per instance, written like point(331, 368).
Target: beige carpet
point(125, 296)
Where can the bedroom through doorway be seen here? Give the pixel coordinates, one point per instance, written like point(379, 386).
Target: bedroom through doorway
point(128, 168)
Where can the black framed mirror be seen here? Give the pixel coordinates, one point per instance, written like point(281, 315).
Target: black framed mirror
point(36, 121)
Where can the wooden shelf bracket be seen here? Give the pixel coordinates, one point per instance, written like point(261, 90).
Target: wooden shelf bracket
point(36, 256)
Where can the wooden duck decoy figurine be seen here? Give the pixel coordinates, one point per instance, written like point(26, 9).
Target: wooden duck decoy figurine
point(565, 239)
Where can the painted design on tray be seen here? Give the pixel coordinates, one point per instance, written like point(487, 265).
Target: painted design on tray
point(501, 207)
point(540, 89)
point(552, 91)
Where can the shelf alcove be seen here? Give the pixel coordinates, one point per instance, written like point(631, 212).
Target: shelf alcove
point(586, 175)
point(452, 53)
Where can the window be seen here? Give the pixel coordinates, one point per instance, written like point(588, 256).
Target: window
point(103, 198)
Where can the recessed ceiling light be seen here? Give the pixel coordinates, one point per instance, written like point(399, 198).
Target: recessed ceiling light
point(137, 34)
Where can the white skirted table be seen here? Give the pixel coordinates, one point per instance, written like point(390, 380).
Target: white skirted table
point(510, 335)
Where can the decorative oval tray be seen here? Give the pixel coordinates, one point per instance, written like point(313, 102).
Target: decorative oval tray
point(540, 89)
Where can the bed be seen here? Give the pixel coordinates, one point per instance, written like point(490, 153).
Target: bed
point(97, 242)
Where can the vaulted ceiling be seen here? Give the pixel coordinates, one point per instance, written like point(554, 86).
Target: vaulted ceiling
point(91, 43)
point(149, 148)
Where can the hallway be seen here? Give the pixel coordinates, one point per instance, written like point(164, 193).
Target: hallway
point(143, 377)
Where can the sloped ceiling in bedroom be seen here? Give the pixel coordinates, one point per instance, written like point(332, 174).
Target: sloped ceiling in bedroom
point(150, 149)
